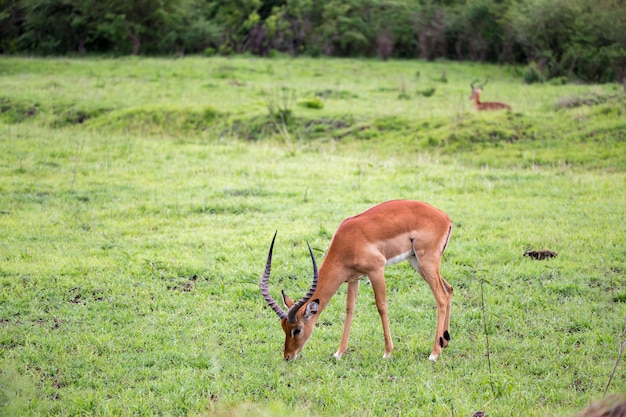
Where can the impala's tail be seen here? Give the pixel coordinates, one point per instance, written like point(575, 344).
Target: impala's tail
point(445, 244)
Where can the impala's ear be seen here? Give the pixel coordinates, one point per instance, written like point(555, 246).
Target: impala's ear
point(311, 309)
point(288, 301)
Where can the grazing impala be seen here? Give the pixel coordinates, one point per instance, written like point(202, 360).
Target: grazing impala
point(363, 245)
point(487, 105)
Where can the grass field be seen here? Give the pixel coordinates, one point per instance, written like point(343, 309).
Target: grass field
point(138, 198)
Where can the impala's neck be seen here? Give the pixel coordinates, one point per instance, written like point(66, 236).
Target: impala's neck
point(329, 281)
point(477, 102)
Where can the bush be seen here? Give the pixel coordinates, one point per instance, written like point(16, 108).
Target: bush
point(559, 81)
point(226, 50)
point(427, 92)
point(274, 53)
point(279, 105)
point(282, 115)
point(311, 103)
point(209, 114)
point(532, 74)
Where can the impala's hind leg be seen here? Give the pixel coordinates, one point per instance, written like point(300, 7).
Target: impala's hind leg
point(450, 290)
point(428, 268)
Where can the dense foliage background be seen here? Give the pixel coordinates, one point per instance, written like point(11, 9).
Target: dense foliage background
point(575, 38)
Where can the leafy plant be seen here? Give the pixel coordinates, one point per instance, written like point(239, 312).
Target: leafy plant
point(532, 74)
point(311, 103)
point(279, 104)
point(427, 92)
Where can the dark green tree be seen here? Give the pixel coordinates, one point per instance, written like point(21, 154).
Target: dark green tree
point(544, 29)
point(431, 23)
point(576, 38)
point(11, 23)
point(236, 18)
point(57, 26)
point(477, 30)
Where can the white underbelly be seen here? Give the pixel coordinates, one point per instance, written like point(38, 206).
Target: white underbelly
point(399, 258)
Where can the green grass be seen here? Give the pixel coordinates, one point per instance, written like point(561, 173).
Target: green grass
point(131, 241)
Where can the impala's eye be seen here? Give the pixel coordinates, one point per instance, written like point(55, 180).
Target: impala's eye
point(296, 331)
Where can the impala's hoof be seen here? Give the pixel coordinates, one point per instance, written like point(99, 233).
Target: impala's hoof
point(433, 357)
point(338, 354)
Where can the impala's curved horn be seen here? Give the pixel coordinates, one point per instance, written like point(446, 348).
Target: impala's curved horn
point(263, 286)
point(485, 83)
point(472, 84)
point(291, 315)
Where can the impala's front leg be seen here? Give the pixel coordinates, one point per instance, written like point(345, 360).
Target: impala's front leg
point(380, 294)
point(353, 290)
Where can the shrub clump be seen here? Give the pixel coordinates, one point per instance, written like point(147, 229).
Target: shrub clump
point(559, 81)
point(427, 92)
point(311, 103)
point(532, 74)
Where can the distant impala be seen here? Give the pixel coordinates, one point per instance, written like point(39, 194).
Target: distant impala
point(488, 105)
point(363, 245)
